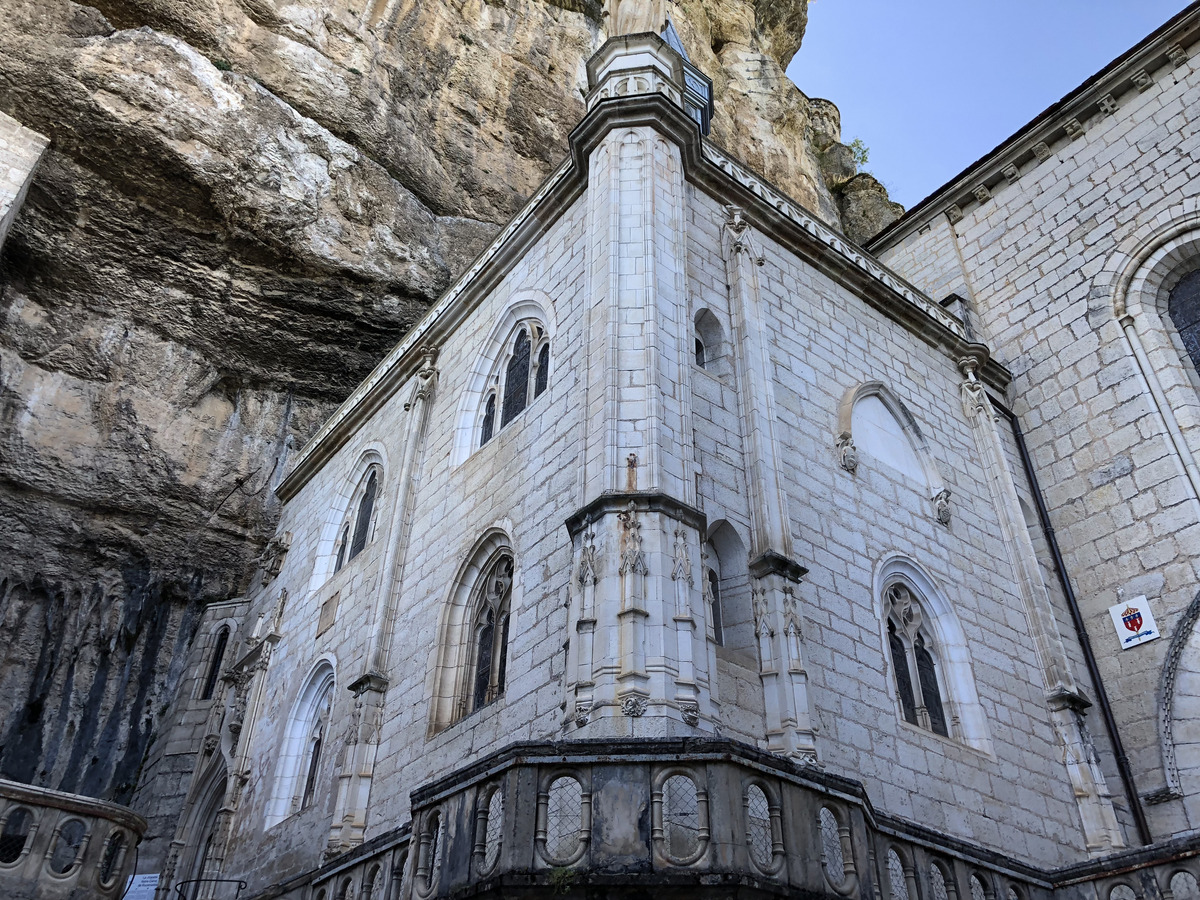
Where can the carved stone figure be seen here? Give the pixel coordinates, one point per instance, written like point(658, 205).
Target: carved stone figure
point(847, 452)
point(637, 16)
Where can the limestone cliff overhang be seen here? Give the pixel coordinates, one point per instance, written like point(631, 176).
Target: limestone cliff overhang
point(710, 169)
point(1135, 71)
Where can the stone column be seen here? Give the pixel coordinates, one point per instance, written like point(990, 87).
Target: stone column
point(356, 760)
point(776, 575)
point(1063, 696)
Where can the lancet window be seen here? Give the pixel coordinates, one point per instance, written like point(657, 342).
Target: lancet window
point(914, 661)
point(214, 665)
point(356, 531)
point(305, 750)
point(489, 656)
point(522, 377)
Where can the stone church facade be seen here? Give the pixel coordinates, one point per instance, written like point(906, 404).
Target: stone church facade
point(687, 547)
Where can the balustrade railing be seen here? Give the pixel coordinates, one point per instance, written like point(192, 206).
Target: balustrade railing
point(54, 844)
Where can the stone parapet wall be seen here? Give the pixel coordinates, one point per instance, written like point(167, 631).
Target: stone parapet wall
point(56, 845)
point(624, 834)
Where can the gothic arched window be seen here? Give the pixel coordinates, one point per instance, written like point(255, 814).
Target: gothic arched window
point(914, 664)
point(490, 636)
point(1183, 306)
point(314, 749)
point(516, 379)
point(522, 375)
point(214, 666)
point(304, 752)
point(355, 532)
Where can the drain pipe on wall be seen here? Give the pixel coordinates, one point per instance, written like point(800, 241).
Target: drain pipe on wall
point(1085, 644)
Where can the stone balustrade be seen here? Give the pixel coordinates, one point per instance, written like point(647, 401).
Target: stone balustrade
point(697, 818)
point(57, 845)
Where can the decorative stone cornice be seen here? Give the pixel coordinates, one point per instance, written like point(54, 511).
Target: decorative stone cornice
point(1067, 120)
point(637, 501)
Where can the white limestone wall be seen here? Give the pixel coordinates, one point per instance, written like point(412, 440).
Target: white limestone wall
point(1043, 261)
point(825, 342)
point(499, 485)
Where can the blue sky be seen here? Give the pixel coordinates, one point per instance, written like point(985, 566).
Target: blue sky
point(931, 85)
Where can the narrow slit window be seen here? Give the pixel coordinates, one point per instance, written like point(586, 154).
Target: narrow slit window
point(714, 604)
point(366, 510)
point(542, 381)
point(927, 673)
point(343, 546)
point(904, 688)
point(489, 421)
point(516, 379)
point(214, 667)
point(700, 353)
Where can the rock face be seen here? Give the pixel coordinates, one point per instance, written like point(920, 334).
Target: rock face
point(245, 203)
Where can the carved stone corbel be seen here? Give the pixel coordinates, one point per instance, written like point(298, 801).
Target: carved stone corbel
point(847, 452)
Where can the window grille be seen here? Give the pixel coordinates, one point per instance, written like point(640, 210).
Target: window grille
point(896, 882)
point(979, 893)
point(564, 817)
point(543, 372)
point(1184, 886)
point(904, 688)
point(1122, 892)
point(758, 827)
point(14, 834)
point(493, 836)
point(927, 674)
point(490, 636)
point(112, 858)
point(66, 847)
point(831, 848)
point(912, 651)
point(937, 882)
point(343, 546)
point(680, 817)
point(489, 421)
point(1183, 306)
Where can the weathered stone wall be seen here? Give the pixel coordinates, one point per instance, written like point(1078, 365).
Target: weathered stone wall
point(244, 204)
point(1042, 260)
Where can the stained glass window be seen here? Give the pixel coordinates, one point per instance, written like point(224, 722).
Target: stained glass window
point(516, 379)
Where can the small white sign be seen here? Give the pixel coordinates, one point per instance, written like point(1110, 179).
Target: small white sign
point(1134, 622)
point(141, 887)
